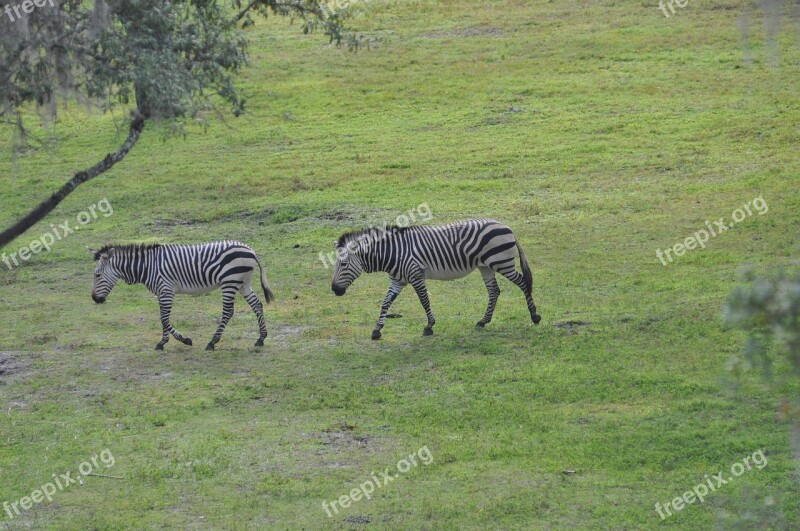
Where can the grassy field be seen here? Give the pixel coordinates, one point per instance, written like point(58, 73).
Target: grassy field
point(599, 131)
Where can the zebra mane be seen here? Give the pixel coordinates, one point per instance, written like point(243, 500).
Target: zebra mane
point(136, 247)
point(348, 237)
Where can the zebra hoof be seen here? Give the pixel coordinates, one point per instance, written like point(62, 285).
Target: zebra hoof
point(259, 343)
point(427, 332)
point(210, 346)
point(536, 318)
point(376, 334)
point(480, 324)
point(160, 346)
point(186, 341)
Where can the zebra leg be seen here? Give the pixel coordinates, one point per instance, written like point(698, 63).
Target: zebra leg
point(494, 293)
point(228, 294)
point(515, 277)
point(254, 302)
point(165, 307)
point(164, 310)
point(394, 290)
point(422, 293)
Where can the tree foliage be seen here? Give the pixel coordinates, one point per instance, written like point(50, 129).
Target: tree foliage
point(170, 60)
point(173, 59)
point(769, 308)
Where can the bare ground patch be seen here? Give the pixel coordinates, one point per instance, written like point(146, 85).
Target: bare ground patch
point(282, 332)
point(336, 215)
point(343, 435)
point(13, 363)
point(340, 439)
point(339, 448)
point(358, 519)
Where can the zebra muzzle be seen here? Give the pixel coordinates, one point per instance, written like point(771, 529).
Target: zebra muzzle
point(98, 300)
point(338, 290)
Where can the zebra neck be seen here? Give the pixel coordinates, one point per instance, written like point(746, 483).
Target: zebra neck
point(373, 259)
point(374, 247)
point(135, 268)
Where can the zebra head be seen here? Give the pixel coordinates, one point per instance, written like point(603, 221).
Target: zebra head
point(348, 267)
point(105, 274)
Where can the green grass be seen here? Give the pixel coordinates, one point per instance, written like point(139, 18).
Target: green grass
point(598, 131)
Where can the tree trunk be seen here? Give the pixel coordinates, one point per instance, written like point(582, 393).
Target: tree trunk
point(142, 101)
point(44, 208)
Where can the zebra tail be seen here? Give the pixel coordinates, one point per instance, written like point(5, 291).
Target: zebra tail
point(527, 277)
point(264, 285)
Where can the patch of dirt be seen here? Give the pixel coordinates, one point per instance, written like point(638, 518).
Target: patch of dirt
point(342, 436)
point(363, 519)
point(465, 32)
point(281, 332)
point(341, 426)
point(261, 217)
point(346, 439)
point(11, 364)
point(572, 326)
point(336, 215)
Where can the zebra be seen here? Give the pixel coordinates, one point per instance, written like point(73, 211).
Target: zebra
point(194, 269)
point(410, 255)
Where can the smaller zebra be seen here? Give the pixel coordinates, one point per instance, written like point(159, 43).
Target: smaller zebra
point(194, 269)
point(410, 255)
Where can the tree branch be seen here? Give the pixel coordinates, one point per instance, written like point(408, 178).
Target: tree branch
point(44, 208)
point(297, 6)
point(244, 11)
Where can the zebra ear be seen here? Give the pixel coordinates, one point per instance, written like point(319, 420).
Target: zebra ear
point(93, 251)
point(110, 252)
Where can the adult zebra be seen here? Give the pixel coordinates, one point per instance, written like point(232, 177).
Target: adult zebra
point(193, 269)
point(412, 254)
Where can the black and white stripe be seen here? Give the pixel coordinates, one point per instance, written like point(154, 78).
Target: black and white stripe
point(193, 269)
point(411, 255)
